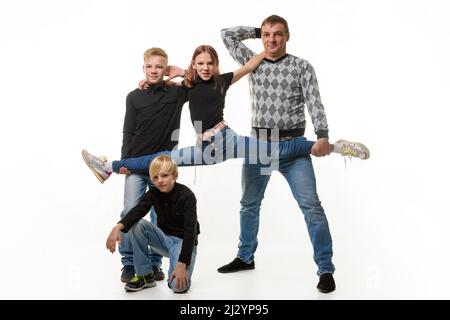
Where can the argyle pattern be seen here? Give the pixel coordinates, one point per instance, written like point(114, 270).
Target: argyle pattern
point(279, 90)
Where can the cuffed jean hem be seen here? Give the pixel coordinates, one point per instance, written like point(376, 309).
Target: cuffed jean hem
point(319, 273)
point(246, 261)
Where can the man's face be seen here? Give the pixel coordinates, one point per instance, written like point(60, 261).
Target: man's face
point(155, 68)
point(274, 38)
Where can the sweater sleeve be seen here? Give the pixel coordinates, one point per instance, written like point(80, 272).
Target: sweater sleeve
point(137, 212)
point(233, 37)
point(190, 229)
point(310, 89)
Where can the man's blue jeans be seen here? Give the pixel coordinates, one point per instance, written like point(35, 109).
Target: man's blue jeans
point(299, 174)
point(135, 187)
point(145, 234)
point(224, 145)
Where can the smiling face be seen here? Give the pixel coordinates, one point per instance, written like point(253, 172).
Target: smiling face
point(274, 37)
point(204, 66)
point(155, 68)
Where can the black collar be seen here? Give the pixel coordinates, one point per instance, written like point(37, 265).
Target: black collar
point(158, 86)
point(278, 59)
point(172, 195)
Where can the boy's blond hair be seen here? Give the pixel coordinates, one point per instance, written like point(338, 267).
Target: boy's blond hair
point(155, 52)
point(163, 164)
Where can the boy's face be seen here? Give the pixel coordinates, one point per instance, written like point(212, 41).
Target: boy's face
point(164, 181)
point(155, 68)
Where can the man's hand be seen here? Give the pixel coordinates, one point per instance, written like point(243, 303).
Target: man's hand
point(114, 237)
point(180, 275)
point(124, 170)
point(321, 148)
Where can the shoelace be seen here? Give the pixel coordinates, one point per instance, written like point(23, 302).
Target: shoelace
point(138, 278)
point(345, 161)
point(350, 152)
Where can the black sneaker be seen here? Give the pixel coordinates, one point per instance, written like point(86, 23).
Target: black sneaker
point(127, 273)
point(159, 274)
point(326, 283)
point(236, 265)
point(141, 282)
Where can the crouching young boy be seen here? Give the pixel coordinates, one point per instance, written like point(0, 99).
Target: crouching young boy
point(174, 236)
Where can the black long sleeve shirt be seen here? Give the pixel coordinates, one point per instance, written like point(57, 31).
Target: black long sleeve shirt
point(176, 213)
point(151, 118)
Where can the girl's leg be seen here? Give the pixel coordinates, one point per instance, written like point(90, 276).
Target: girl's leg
point(139, 164)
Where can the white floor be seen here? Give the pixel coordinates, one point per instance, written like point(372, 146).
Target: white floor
point(380, 251)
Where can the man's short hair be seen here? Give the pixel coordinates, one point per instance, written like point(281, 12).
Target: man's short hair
point(273, 19)
point(155, 52)
point(163, 164)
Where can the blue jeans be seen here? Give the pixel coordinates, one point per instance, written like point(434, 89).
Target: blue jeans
point(135, 187)
point(144, 234)
point(299, 174)
point(222, 146)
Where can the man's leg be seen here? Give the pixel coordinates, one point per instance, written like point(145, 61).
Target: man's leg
point(300, 175)
point(253, 186)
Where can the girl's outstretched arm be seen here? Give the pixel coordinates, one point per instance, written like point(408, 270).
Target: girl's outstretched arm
point(251, 65)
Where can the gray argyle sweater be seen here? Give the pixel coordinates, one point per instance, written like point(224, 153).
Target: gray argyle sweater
point(279, 89)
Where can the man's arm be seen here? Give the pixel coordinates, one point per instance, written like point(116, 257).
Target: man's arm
point(129, 127)
point(233, 37)
point(310, 88)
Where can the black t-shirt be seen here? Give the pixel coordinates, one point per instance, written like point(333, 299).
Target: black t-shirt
point(206, 101)
point(152, 116)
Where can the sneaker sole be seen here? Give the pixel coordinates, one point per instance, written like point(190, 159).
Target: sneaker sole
point(145, 286)
point(85, 156)
point(366, 150)
point(326, 291)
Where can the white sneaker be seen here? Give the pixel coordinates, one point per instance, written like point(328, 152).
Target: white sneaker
point(97, 165)
point(353, 149)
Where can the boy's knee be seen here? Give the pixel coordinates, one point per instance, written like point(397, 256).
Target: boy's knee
point(173, 286)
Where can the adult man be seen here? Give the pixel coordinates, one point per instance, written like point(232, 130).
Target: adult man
point(152, 122)
point(280, 88)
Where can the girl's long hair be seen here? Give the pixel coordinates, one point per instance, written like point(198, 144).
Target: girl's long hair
point(191, 74)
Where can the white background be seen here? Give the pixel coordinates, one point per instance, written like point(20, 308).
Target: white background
point(384, 73)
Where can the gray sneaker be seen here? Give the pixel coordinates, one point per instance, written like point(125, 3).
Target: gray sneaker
point(97, 165)
point(353, 149)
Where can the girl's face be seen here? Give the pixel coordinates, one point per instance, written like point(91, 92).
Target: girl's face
point(204, 66)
